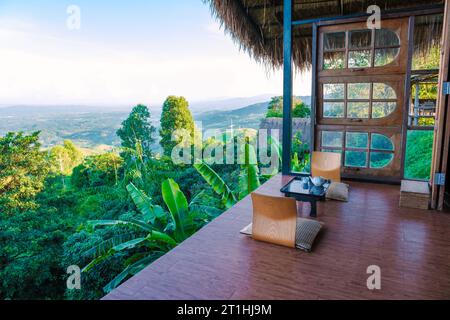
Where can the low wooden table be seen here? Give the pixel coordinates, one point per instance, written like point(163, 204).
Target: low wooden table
point(307, 193)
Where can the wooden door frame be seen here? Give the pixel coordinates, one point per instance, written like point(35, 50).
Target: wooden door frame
point(442, 128)
point(400, 69)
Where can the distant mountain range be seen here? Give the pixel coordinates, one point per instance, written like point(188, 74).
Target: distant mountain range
point(246, 117)
point(227, 104)
point(95, 127)
point(196, 107)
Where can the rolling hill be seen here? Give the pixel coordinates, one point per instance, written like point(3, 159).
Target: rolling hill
point(95, 127)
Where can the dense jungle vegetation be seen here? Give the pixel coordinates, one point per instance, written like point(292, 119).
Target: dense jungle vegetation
point(111, 214)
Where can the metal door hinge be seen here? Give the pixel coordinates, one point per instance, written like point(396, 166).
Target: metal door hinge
point(439, 179)
point(446, 88)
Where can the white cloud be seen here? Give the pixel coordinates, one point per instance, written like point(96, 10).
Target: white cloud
point(40, 69)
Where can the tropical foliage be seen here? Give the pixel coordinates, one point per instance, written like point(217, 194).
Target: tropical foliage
point(299, 108)
point(111, 213)
point(23, 169)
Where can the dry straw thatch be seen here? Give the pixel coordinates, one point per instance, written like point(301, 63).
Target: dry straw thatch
point(257, 25)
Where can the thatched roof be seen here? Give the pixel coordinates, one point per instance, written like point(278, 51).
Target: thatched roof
point(257, 25)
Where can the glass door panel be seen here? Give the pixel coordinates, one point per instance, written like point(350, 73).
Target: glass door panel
point(360, 96)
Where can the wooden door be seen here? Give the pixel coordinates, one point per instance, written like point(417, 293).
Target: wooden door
point(360, 96)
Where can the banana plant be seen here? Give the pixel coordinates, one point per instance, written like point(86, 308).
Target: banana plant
point(248, 178)
point(156, 229)
point(249, 175)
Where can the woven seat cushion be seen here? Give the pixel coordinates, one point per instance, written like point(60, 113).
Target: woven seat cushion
point(305, 234)
point(338, 191)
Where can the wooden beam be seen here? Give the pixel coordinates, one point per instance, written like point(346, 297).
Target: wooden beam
point(442, 130)
point(407, 93)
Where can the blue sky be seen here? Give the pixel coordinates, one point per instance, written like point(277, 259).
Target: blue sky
point(126, 52)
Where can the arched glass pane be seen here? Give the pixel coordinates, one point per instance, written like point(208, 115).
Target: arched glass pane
point(386, 38)
point(381, 142)
point(383, 91)
point(382, 109)
point(385, 56)
point(380, 160)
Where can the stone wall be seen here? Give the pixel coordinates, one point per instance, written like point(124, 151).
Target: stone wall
point(298, 124)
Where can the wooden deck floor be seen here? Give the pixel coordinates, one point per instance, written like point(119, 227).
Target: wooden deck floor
point(412, 248)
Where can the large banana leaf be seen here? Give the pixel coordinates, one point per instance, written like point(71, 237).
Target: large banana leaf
point(129, 244)
point(104, 246)
point(249, 176)
point(215, 181)
point(145, 205)
point(178, 206)
point(197, 207)
point(248, 180)
point(131, 270)
point(97, 260)
point(275, 144)
point(162, 237)
point(120, 247)
point(109, 223)
point(159, 237)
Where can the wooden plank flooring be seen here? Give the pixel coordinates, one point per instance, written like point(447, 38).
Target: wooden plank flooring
point(412, 248)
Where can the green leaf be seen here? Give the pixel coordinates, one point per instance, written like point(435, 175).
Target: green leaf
point(129, 244)
point(131, 270)
point(98, 260)
point(144, 204)
point(162, 237)
point(108, 223)
point(177, 204)
point(215, 181)
point(248, 180)
point(249, 176)
point(114, 283)
point(104, 246)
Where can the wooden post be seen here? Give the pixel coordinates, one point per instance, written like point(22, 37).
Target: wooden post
point(442, 127)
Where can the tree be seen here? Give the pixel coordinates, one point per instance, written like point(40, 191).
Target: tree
point(138, 130)
point(98, 170)
point(67, 157)
point(299, 108)
point(30, 254)
point(23, 169)
point(175, 116)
